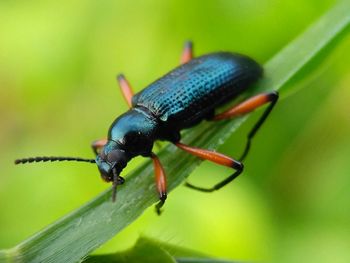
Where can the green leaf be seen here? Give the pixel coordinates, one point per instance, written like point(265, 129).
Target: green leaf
point(147, 250)
point(80, 232)
point(203, 260)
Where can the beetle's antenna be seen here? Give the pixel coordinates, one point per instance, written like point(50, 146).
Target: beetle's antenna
point(52, 159)
point(114, 186)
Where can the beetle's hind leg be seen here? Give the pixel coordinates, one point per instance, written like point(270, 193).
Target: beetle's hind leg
point(187, 52)
point(160, 179)
point(216, 158)
point(125, 88)
point(248, 106)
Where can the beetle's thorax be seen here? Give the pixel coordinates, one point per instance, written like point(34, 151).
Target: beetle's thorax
point(134, 132)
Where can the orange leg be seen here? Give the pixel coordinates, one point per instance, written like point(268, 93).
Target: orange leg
point(97, 145)
point(187, 52)
point(126, 88)
point(248, 106)
point(216, 158)
point(160, 182)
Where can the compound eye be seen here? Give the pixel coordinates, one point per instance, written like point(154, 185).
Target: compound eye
point(115, 156)
point(102, 155)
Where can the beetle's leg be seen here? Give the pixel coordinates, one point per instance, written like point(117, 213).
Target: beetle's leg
point(160, 182)
point(126, 88)
point(187, 52)
point(216, 158)
point(97, 145)
point(248, 106)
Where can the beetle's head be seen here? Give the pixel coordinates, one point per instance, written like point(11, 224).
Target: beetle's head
point(110, 161)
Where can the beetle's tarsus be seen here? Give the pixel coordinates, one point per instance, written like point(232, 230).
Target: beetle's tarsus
point(160, 204)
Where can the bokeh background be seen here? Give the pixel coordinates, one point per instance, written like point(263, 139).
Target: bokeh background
point(58, 62)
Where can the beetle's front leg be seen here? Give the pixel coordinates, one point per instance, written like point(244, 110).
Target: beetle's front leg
point(125, 88)
point(97, 145)
point(160, 182)
point(187, 52)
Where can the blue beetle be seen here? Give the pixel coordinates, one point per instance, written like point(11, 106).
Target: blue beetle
point(180, 99)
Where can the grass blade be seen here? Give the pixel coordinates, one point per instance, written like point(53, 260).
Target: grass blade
point(73, 237)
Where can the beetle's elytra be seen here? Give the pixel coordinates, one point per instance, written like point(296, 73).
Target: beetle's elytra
point(180, 99)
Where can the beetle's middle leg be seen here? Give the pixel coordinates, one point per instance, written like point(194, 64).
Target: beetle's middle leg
point(160, 179)
point(125, 88)
point(216, 158)
point(187, 52)
point(248, 106)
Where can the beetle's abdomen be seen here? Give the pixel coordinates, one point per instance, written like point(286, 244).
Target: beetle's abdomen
point(190, 92)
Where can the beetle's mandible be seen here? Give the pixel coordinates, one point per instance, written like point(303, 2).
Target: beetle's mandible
point(180, 99)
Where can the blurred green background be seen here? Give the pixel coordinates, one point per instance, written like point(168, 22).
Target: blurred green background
point(58, 62)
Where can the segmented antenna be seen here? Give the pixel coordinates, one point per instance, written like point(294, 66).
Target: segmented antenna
point(52, 159)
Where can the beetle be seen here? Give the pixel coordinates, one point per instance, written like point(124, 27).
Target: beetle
point(179, 100)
